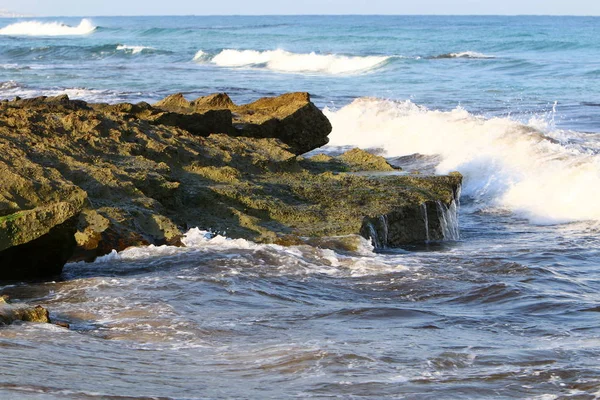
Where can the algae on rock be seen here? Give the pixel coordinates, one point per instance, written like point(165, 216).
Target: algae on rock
point(98, 177)
point(10, 313)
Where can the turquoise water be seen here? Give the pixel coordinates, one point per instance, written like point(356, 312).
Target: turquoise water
point(508, 311)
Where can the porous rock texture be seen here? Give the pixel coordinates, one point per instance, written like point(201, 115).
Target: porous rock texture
point(78, 180)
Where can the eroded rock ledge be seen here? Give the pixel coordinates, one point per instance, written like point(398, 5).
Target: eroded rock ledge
point(79, 180)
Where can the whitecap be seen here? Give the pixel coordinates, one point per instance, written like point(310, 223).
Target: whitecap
point(133, 49)
point(466, 54)
point(200, 55)
point(285, 61)
point(38, 28)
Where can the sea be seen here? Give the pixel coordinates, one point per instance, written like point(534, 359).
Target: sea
point(510, 310)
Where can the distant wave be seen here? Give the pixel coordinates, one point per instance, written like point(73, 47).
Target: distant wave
point(10, 89)
point(464, 54)
point(37, 28)
point(541, 173)
point(14, 67)
point(8, 85)
point(133, 49)
point(285, 61)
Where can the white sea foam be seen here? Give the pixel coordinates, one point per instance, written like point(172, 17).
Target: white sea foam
point(133, 49)
point(10, 89)
point(38, 28)
point(469, 54)
point(276, 259)
point(285, 61)
point(197, 238)
point(200, 55)
point(546, 175)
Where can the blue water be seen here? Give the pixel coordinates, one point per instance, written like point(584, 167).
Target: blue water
point(536, 60)
point(508, 311)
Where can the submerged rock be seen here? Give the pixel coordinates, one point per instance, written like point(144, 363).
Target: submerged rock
point(10, 313)
point(91, 178)
point(355, 160)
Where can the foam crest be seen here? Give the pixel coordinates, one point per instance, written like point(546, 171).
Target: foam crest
point(546, 175)
point(200, 55)
point(285, 61)
point(133, 49)
point(270, 258)
point(465, 54)
point(38, 28)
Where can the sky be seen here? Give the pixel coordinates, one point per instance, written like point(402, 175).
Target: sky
point(266, 7)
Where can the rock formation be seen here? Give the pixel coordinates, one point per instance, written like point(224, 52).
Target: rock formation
point(79, 180)
point(10, 313)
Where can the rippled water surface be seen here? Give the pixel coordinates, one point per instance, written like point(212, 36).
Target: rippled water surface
point(502, 313)
point(511, 310)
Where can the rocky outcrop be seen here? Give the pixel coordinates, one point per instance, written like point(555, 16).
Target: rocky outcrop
point(354, 160)
point(38, 209)
point(10, 313)
point(291, 118)
point(80, 180)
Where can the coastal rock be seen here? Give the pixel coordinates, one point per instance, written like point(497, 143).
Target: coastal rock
point(98, 177)
point(291, 118)
point(10, 313)
point(201, 117)
point(38, 212)
point(354, 160)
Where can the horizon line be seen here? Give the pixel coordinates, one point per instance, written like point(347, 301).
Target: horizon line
point(302, 15)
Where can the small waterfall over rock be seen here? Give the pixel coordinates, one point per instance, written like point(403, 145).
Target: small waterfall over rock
point(448, 217)
point(374, 236)
point(430, 221)
point(425, 220)
point(385, 229)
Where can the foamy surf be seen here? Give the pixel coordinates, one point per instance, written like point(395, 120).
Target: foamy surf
point(286, 260)
point(38, 28)
point(285, 61)
point(531, 169)
point(133, 49)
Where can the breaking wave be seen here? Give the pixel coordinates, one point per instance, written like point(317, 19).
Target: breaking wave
point(292, 260)
point(465, 54)
point(546, 175)
point(285, 61)
point(133, 49)
point(10, 89)
point(38, 28)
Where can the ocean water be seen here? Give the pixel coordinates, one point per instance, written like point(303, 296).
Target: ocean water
point(511, 310)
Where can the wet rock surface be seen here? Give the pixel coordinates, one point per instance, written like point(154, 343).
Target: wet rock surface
point(79, 180)
point(10, 313)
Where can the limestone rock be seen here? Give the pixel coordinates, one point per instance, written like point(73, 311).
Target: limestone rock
point(354, 160)
point(201, 117)
point(291, 118)
point(38, 212)
point(104, 177)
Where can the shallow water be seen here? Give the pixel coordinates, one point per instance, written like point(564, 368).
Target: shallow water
point(508, 311)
